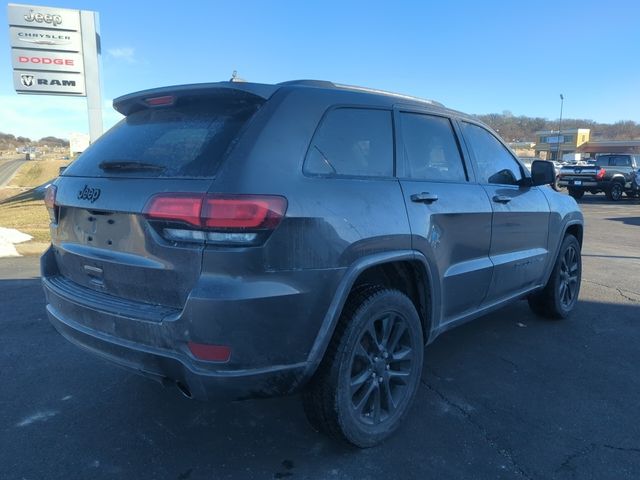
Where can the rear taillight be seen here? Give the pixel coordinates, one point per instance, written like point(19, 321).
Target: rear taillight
point(50, 202)
point(221, 219)
point(601, 173)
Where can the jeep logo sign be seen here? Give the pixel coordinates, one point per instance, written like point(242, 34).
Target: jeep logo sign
point(88, 193)
point(32, 16)
point(44, 17)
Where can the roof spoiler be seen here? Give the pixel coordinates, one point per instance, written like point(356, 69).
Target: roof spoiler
point(133, 102)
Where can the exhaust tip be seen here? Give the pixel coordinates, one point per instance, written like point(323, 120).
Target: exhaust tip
point(184, 389)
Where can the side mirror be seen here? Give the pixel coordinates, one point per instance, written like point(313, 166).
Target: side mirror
point(542, 172)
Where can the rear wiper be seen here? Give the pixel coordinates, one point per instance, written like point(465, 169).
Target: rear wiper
point(127, 165)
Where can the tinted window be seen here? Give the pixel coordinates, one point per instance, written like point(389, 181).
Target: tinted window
point(187, 140)
point(494, 162)
point(430, 149)
point(352, 141)
point(620, 161)
point(614, 160)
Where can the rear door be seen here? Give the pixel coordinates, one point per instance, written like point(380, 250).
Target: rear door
point(519, 238)
point(449, 214)
point(170, 144)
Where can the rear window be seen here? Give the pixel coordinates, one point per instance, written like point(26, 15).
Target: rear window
point(189, 139)
point(614, 160)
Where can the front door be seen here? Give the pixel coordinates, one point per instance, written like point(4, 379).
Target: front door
point(519, 241)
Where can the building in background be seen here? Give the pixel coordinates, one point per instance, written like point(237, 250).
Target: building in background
point(591, 149)
point(523, 149)
point(551, 145)
point(78, 143)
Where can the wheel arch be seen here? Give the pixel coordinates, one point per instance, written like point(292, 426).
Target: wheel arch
point(403, 270)
point(573, 227)
point(576, 229)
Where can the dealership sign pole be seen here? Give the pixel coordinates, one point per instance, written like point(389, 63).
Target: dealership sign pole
point(56, 51)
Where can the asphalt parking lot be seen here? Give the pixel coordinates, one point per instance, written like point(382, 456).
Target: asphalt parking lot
point(506, 396)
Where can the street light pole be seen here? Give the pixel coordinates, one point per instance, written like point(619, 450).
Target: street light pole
point(560, 129)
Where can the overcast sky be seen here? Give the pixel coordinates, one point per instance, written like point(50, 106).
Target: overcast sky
point(475, 56)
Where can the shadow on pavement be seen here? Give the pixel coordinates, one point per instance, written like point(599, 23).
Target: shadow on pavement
point(508, 395)
point(635, 221)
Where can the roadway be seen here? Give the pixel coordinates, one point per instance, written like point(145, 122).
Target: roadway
point(506, 396)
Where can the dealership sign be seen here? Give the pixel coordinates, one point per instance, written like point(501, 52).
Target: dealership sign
point(47, 50)
point(56, 51)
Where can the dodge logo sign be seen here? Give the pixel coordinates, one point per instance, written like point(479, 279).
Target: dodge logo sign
point(27, 80)
point(46, 60)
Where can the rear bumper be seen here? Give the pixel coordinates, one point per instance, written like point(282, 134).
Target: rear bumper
point(586, 184)
point(168, 367)
point(264, 361)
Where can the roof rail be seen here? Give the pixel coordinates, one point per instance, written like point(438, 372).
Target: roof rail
point(385, 92)
point(327, 84)
point(310, 83)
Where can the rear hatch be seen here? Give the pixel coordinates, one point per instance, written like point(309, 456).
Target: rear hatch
point(171, 141)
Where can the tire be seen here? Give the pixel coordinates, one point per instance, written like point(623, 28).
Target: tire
point(576, 193)
point(615, 191)
point(560, 294)
point(370, 373)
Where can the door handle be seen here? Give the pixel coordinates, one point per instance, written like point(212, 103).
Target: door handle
point(424, 197)
point(501, 199)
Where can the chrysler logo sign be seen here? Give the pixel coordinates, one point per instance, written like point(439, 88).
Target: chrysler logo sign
point(44, 38)
point(54, 20)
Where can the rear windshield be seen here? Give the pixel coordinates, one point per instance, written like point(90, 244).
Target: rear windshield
point(613, 160)
point(189, 139)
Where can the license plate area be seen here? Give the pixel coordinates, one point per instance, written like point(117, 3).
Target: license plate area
point(101, 229)
point(577, 182)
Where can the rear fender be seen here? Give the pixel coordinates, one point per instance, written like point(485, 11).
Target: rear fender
point(342, 293)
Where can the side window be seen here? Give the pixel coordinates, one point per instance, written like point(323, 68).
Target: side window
point(621, 161)
point(430, 149)
point(352, 141)
point(495, 163)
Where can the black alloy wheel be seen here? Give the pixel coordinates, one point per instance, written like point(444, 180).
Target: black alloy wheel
point(381, 363)
point(370, 373)
point(615, 192)
point(560, 295)
point(569, 277)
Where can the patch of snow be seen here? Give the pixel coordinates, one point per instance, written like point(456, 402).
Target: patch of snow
point(36, 417)
point(9, 237)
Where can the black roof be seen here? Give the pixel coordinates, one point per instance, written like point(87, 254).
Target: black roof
point(131, 102)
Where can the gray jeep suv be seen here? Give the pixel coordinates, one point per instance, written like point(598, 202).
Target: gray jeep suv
point(241, 240)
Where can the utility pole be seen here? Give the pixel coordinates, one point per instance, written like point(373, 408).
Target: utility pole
point(560, 142)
